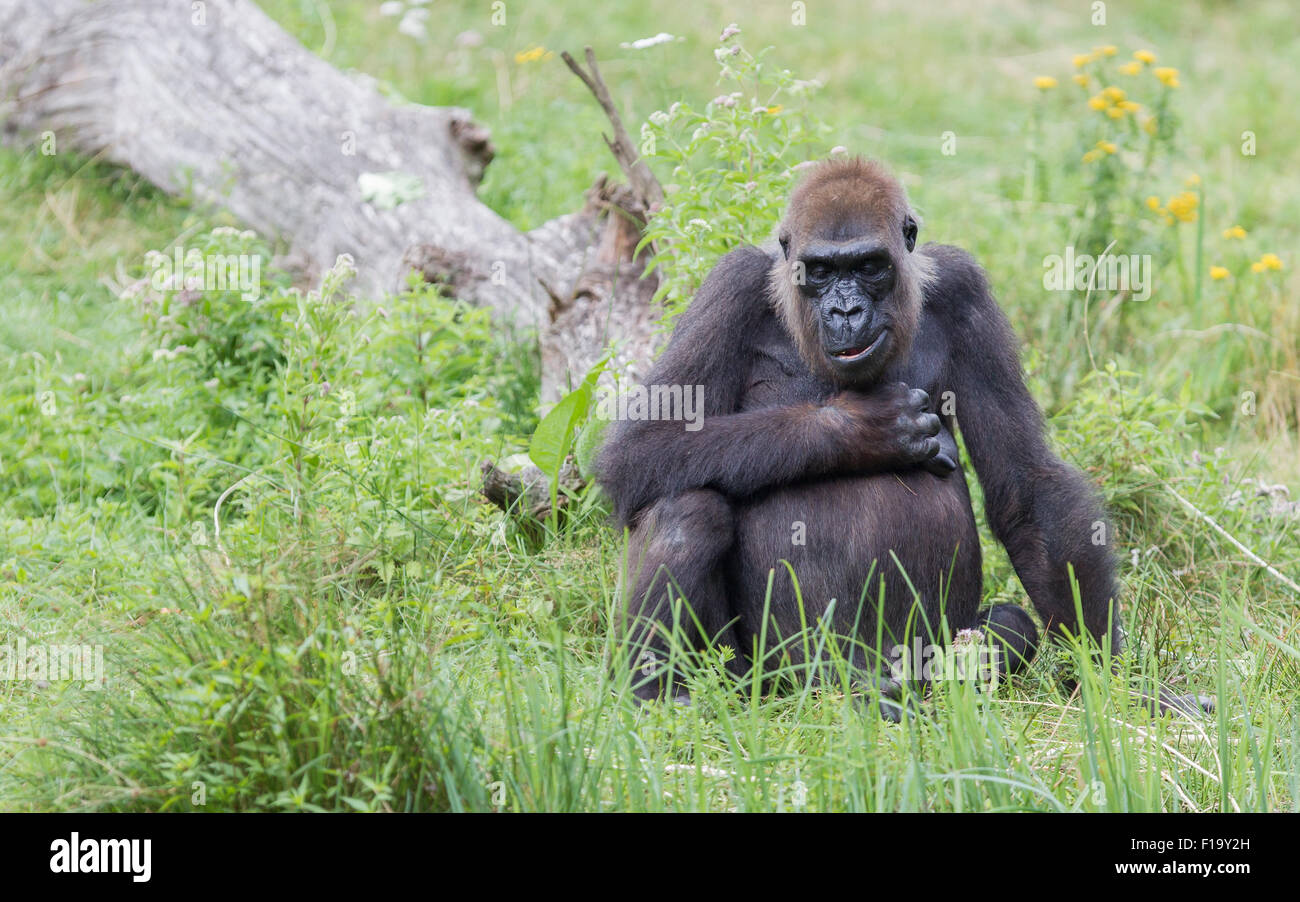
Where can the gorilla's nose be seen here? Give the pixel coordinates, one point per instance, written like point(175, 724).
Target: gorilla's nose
point(848, 317)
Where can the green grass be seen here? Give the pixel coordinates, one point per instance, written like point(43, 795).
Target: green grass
point(365, 633)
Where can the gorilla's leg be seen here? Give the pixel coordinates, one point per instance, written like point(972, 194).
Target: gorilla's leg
point(1014, 635)
point(675, 571)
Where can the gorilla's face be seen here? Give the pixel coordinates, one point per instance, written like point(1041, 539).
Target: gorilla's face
point(860, 302)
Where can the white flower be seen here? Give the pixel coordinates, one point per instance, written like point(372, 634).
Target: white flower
point(729, 32)
point(662, 37)
point(392, 8)
point(659, 118)
point(169, 353)
point(412, 24)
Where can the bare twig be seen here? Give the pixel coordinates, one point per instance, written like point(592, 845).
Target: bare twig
point(639, 176)
point(1255, 558)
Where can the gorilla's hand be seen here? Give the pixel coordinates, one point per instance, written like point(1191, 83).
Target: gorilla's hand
point(891, 427)
point(945, 461)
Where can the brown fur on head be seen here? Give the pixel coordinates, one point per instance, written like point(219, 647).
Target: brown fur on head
point(848, 271)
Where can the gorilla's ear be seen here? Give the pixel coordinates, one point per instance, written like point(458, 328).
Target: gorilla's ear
point(785, 244)
point(909, 232)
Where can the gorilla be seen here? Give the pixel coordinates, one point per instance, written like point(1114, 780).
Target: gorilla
point(823, 483)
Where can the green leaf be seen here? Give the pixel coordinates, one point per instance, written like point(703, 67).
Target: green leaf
point(554, 434)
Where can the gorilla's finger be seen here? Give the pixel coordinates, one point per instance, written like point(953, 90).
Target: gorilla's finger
point(927, 449)
point(941, 464)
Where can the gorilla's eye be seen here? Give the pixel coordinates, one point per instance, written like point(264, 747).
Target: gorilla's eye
point(909, 232)
point(818, 272)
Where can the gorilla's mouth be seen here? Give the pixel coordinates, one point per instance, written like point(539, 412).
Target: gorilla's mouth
point(853, 355)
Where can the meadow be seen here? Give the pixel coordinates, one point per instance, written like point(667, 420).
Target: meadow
point(265, 512)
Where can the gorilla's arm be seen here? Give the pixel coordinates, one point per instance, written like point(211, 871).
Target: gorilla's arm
point(739, 454)
point(1040, 509)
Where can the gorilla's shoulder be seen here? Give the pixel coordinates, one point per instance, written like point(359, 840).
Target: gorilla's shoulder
point(747, 262)
point(737, 279)
point(953, 280)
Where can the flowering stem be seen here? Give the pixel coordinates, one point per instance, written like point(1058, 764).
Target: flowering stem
point(1200, 240)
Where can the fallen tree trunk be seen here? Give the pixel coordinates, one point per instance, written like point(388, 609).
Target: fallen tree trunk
point(216, 101)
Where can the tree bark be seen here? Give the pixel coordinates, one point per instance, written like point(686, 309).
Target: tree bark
point(216, 101)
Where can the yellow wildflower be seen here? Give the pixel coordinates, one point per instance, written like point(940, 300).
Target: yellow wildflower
point(1107, 50)
point(1092, 156)
point(1183, 206)
point(1044, 82)
point(1193, 180)
point(773, 110)
point(532, 55)
point(1114, 94)
point(1271, 261)
point(1145, 56)
point(1115, 112)
point(1108, 146)
point(1219, 272)
point(1257, 267)
point(1082, 60)
point(1151, 126)
point(1234, 232)
point(1168, 76)
point(1130, 68)
point(1129, 106)
point(1153, 202)
point(1097, 102)
point(1081, 79)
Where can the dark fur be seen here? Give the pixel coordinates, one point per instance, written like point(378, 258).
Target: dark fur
point(859, 457)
